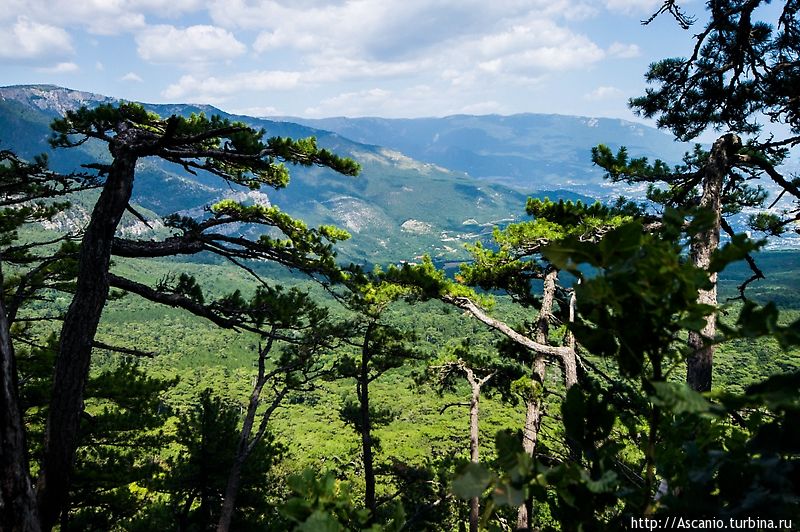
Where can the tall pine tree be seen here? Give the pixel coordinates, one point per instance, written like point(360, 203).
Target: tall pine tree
point(742, 73)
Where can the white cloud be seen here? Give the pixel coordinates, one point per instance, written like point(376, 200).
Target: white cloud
point(386, 30)
point(357, 103)
point(536, 45)
point(168, 8)
point(604, 93)
point(131, 76)
point(514, 41)
point(102, 17)
point(195, 44)
point(27, 40)
point(414, 101)
point(99, 66)
point(624, 51)
point(213, 89)
point(459, 46)
point(61, 68)
point(633, 6)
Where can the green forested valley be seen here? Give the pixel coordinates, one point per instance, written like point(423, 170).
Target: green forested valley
point(217, 322)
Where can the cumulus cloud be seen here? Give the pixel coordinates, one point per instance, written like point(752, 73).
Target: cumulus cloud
point(536, 45)
point(468, 40)
point(384, 30)
point(604, 93)
point(463, 55)
point(460, 46)
point(131, 76)
point(214, 89)
point(102, 17)
point(168, 8)
point(357, 103)
point(195, 44)
point(633, 6)
point(417, 100)
point(61, 68)
point(26, 40)
point(624, 51)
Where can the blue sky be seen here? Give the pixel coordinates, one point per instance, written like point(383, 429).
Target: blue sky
point(392, 58)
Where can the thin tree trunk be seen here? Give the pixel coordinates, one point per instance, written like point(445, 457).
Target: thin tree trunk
point(699, 364)
point(231, 491)
point(474, 449)
point(77, 334)
point(366, 426)
point(18, 509)
point(570, 359)
point(533, 411)
point(245, 446)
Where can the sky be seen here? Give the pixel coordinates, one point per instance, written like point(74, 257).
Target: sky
point(312, 58)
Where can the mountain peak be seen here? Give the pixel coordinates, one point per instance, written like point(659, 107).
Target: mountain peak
point(52, 99)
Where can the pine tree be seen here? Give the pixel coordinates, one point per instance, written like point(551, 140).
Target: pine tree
point(296, 333)
point(514, 264)
point(484, 373)
point(741, 73)
point(231, 151)
point(200, 475)
point(379, 348)
point(28, 193)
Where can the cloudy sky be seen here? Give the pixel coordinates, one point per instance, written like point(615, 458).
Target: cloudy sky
point(393, 58)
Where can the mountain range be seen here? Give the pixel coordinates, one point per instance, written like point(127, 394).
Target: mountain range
point(427, 185)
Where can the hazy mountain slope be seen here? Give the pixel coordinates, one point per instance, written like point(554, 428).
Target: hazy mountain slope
point(528, 151)
point(397, 208)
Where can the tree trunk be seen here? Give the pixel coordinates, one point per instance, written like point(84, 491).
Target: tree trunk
point(699, 364)
point(242, 452)
point(366, 426)
point(570, 359)
point(474, 451)
point(77, 334)
point(246, 444)
point(18, 510)
point(533, 412)
point(232, 490)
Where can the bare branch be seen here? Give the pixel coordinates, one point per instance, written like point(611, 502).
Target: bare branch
point(97, 344)
point(757, 273)
point(769, 169)
point(684, 21)
point(475, 310)
point(451, 405)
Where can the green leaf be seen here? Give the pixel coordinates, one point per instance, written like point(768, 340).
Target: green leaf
point(605, 484)
point(472, 482)
point(680, 399)
point(505, 494)
point(320, 521)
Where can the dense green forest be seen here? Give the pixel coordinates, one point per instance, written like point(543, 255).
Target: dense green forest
point(590, 367)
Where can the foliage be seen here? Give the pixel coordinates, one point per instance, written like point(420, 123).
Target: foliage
point(178, 138)
point(514, 261)
point(207, 435)
point(324, 503)
point(634, 305)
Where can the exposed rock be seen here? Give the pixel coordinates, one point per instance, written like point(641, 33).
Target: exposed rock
point(416, 226)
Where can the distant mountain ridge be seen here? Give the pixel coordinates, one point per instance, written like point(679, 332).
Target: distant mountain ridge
point(526, 151)
point(399, 208)
point(52, 99)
